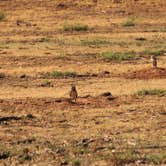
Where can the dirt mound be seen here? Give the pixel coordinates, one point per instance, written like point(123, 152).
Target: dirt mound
point(60, 103)
point(148, 73)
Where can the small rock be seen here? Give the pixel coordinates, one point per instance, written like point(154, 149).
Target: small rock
point(105, 72)
point(30, 116)
point(23, 76)
point(106, 94)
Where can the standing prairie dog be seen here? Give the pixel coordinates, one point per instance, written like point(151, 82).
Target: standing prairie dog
point(154, 60)
point(73, 93)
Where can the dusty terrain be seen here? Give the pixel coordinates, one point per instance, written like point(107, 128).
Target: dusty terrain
point(39, 125)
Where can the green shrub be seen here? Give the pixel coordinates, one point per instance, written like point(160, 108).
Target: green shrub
point(118, 56)
point(76, 162)
point(4, 155)
point(75, 27)
point(158, 92)
point(127, 157)
point(156, 52)
point(63, 74)
point(163, 30)
point(156, 159)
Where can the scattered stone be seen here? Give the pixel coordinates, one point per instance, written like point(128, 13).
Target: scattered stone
point(9, 118)
point(65, 162)
point(23, 76)
point(30, 116)
point(85, 142)
point(106, 94)
point(61, 6)
point(110, 98)
point(99, 148)
point(2, 75)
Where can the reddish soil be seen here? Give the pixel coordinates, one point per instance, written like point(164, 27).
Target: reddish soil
point(148, 73)
point(60, 103)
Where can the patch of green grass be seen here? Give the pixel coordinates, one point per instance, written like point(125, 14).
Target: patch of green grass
point(130, 22)
point(2, 16)
point(127, 157)
point(25, 155)
point(156, 52)
point(76, 162)
point(75, 27)
point(156, 158)
point(63, 74)
point(131, 156)
point(163, 30)
point(46, 83)
point(118, 56)
point(145, 92)
point(95, 42)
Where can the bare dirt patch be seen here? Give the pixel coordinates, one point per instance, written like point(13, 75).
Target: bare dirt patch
point(148, 73)
point(60, 103)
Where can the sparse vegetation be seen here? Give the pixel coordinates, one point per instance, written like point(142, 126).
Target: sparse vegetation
point(75, 27)
point(156, 158)
point(4, 155)
point(131, 156)
point(44, 39)
point(62, 74)
point(104, 51)
point(76, 162)
point(46, 83)
point(130, 22)
point(95, 42)
point(126, 157)
point(156, 52)
point(25, 155)
point(2, 16)
point(118, 56)
point(163, 30)
point(158, 92)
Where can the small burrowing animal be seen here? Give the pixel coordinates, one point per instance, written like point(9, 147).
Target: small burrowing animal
point(73, 93)
point(154, 61)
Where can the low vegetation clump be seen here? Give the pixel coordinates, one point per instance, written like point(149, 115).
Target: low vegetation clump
point(163, 30)
point(158, 92)
point(44, 39)
point(156, 52)
point(94, 42)
point(118, 56)
point(76, 162)
point(75, 27)
point(2, 16)
point(129, 22)
point(60, 74)
point(130, 156)
point(46, 83)
point(156, 158)
point(127, 157)
point(4, 155)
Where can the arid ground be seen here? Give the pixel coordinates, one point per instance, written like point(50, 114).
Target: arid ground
point(100, 46)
